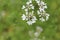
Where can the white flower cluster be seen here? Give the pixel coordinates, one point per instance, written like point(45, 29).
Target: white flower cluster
point(29, 17)
point(43, 16)
point(28, 6)
point(29, 9)
point(35, 35)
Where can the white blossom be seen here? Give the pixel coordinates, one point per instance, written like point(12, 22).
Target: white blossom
point(30, 18)
point(36, 34)
point(26, 10)
point(23, 7)
point(42, 3)
point(47, 16)
point(31, 21)
point(32, 7)
point(23, 17)
point(41, 12)
point(41, 9)
point(38, 1)
point(30, 1)
point(45, 7)
point(27, 3)
point(42, 19)
point(38, 12)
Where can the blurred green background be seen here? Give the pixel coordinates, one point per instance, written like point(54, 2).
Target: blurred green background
point(13, 28)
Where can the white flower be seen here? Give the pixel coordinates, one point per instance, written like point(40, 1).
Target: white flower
point(38, 1)
point(43, 16)
point(31, 4)
point(26, 10)
point(42, 3)
point(47, 16)
point(32, 12)
point(31, 21)
point(41, 9)
point(29, 17)
point(42, 19)
point(27, 3)
point(34, 18)
point(32, 7)
point(23, 7)
point(45, 7)
point(23, 17)
point(38, 12)
point(30, 1)
point(41, 12)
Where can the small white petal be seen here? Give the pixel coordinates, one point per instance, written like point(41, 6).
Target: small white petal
point(23, 7)
point(30, 1)
point(47, 17)
point(39, 4)
point(42, 19)
point(29, 22)
point(23, 17)
point(35, 0)
point(26, 10)
point(34, 18)
point(38, 1)
point(32, 12)
point(38, 12)
point(33, 21)
point(26, 17)
point(45, 6)
point(47, 14)
point(32, 7)
point(27, 3)
point(41, 9)
point(42, 3)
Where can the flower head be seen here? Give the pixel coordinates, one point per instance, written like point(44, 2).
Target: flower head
point(29, 17)
point(43, 16)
